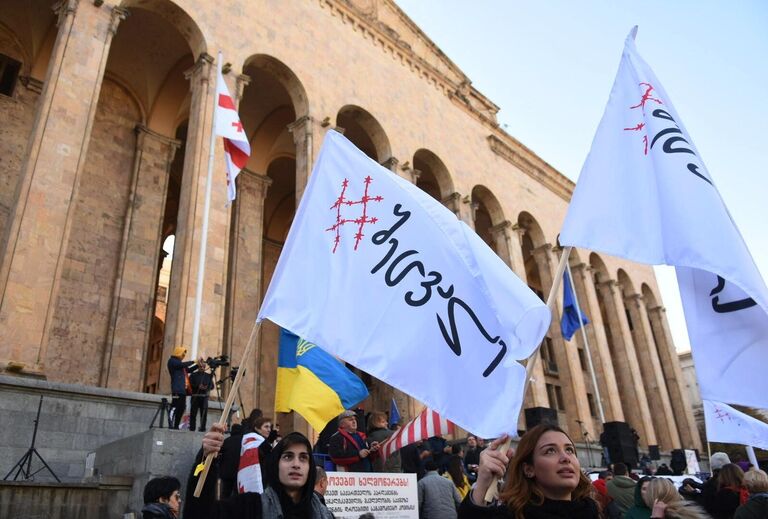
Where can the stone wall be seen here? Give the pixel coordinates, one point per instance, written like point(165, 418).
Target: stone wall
point(74, 421)
point(21, 500)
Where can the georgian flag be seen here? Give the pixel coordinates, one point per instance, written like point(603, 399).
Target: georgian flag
point(644, 194)
point(249, 469)
point(428, 423)
point(227, 125)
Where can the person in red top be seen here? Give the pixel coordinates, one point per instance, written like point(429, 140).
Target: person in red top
point(349, 449)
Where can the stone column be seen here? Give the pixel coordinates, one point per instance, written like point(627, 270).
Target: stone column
point(183, 286)
point(569, 367)
point(36, 235)
point(244, 288)
point(132, 306)
point(461, 207)
point(678, 396)
point(502, 236)
point(307, 135)
point(633, 396)
point(655, 387)
point(598, 343)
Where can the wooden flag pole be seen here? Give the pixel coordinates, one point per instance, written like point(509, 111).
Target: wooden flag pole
point(230, 401)
point(493, 491)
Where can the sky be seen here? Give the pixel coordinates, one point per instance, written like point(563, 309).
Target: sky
point(550, 64)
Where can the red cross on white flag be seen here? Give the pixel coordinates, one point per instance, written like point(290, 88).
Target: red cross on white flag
point(227, 124)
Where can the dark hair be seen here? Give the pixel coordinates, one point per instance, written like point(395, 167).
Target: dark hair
point(620, 469)
point(456, 471)
point(272, 470)
point(163, 486)
point(430, 465)
point(456, 449)
point(604, 474)
point(374, 416)
point(730, 475)
point(258, 422)
point(255, 415)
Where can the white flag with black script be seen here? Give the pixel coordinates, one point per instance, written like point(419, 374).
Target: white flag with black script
point(382, 275)
point(644, 194)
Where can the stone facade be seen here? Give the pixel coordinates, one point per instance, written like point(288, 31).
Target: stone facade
point(104, 158)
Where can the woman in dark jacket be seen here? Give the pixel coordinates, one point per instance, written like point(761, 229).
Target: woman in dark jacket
point(544, 480)
point(179, 371)
point(730, 494)
point(640, 510)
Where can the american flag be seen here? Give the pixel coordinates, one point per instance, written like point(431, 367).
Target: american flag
point(428, 423)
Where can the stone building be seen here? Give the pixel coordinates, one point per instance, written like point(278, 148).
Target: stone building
point(107, 107)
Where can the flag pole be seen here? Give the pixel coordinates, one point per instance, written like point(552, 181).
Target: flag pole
point(751, 456)
point(586, 345)
point(230, 400)
point(206, 212)
point(493, 491)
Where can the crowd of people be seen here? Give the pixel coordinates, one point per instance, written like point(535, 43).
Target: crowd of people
point(284, 477)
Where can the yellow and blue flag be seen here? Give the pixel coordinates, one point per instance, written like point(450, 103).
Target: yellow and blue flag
point(313, 383)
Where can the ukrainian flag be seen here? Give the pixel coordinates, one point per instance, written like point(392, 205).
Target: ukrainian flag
point(313, 383)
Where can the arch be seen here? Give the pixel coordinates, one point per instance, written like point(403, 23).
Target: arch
point(26, 26)
point(365, 132)
point(12, 45)
point(173, 99)
point(280, 206)
point(433, 173)
point(176, 16)
point(281, 73)
point(484, 196)
point(625, 282)
point(651, 301)
point(532, 228)
point(599, 268)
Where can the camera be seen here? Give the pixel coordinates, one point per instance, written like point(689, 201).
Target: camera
point(215, 362)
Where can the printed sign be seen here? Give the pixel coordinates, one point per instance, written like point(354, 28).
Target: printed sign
point(386, 496)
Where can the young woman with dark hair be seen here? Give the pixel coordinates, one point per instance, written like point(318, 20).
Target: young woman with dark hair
point(543, 480)
point(730, 494)
point(456, 474)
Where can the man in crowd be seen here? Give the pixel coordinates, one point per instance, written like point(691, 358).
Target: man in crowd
point(438, 497)
point(472, 457)
point(349, 449)
point(201, 382)
point(179, 370)
point(161, 498)
point(290, 488)
point(621, 488)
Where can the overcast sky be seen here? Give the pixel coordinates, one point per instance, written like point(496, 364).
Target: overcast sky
point(550, 66)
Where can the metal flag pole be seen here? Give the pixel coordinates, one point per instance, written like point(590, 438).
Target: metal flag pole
point(493, 490)
point(586, 346)
point(206, 211)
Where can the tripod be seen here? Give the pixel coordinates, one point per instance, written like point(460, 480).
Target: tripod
point(162, 411)
point(20, 469)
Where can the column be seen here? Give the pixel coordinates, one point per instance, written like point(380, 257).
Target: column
point(307, 136)
point(569, 367)
point(183, 286)
point(502, 237)
point(132, 306)
point(461, 207)
point(244, 288)
point(655, 388)
point(38, 228)
point(598, 343)
point(678, 396)
point(633, 397)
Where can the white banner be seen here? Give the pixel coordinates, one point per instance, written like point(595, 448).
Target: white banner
point(386, 496)
point(383, 276)
point(644, 194)
point(728, 425)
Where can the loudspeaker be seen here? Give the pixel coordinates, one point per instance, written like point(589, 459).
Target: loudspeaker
point(678, 463)
point(536, 415)
point(653, 452)
point(618, 438)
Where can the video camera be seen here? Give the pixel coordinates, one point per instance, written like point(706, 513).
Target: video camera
point(215, 362)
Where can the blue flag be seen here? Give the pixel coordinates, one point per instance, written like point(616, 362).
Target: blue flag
point(570, 320)
point(394, 414)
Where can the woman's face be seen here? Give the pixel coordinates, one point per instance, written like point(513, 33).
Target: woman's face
point(644, 489)
point(555, 467)
point(265, 429)
point(174, 502)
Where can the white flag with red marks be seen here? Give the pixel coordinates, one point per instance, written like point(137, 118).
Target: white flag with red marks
point(644, 194)
point(249, 468)
point(227, 125)
point(427, 424)
point(728, 425)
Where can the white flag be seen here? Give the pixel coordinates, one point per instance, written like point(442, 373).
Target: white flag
point(428, 423)
point(726, 424)
point(249, 467)
point(383, 276)
point(645, 195)
point(227, 124)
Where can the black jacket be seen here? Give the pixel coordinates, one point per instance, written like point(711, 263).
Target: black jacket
point(580, 509)
point(176, 369)
point(345, 452)
point(201, 382)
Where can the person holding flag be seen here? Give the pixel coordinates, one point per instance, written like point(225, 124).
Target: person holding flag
point(349, 448)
